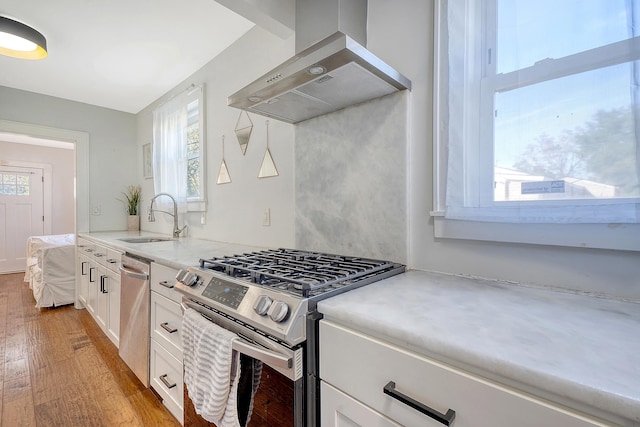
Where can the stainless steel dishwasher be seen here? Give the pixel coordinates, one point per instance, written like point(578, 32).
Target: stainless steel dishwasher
point(134, 315)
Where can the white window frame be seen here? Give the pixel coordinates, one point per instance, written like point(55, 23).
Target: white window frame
point(602, 236)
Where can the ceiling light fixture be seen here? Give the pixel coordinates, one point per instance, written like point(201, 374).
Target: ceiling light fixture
point(21, 41)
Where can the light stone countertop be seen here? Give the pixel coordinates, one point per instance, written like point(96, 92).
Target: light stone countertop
point(176, 253)
point(577, 350)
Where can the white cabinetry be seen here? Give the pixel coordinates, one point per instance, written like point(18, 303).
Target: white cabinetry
point(101, 313)
point(355, 369)
point(342, 410)
point(112, 288)
point(166, 375)
point(83, 250)
point(92, 292)
point(101, 310)
point(99, 290)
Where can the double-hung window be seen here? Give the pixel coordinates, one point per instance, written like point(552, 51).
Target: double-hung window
point(178, 150)
point(538, 111)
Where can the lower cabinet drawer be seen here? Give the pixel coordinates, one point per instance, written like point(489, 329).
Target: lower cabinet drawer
point(163, 279)
point(166, 324)
point(361, 366)
point(167, 380)
point(113, 260)
point(341, 410)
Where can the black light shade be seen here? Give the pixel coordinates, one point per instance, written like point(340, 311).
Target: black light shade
point(21, 41)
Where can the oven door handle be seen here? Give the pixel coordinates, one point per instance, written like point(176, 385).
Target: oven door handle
point(264, 355)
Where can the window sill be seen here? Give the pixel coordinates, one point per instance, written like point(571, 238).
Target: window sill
point(196, 206)
point(624, 237)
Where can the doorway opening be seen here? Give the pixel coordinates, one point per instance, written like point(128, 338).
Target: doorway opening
point(46, 175)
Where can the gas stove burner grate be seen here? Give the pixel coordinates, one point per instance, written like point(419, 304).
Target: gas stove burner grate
point(299, 272)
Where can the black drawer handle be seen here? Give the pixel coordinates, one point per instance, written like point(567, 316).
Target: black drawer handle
point(445, 419)
point(163, 378)
point(166, 284)
point(168, 328)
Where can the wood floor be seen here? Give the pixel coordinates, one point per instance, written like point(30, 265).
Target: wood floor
point(59, 369)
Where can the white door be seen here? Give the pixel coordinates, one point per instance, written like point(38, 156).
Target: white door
point(21, 214)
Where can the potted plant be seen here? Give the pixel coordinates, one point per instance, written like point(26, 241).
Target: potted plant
point(132, 204)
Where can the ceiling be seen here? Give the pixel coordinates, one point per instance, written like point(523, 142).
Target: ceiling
point(118, 54)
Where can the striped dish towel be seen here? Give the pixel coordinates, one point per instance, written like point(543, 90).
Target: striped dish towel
point(211, 369)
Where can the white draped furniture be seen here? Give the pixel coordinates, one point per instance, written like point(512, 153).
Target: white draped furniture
point(50, 269)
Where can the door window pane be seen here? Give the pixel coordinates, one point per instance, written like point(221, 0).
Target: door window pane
point(14, 184)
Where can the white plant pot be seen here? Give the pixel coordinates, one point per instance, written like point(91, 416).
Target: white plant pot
point(133, 223)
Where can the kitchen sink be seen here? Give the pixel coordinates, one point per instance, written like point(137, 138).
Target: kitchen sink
point(146, 239)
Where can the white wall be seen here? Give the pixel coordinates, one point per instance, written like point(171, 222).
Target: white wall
point(235, 210)
point(112, 159)
point(62, 163)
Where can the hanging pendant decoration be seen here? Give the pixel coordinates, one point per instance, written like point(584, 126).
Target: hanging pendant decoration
point(268, 167)
point(223, 175)
point(244, 126)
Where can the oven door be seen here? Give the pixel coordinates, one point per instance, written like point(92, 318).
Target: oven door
point(279, 400)
point(285, 360)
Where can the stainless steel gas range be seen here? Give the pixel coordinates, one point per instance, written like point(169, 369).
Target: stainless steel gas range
point(268, 298)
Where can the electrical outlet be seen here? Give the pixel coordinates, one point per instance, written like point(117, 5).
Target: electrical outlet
point(266, 217)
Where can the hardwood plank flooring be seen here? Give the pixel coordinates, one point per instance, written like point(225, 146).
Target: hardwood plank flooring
point(60, 369)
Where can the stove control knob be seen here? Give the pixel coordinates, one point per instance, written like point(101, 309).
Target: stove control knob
point(186, 277)
point(278, 311)
point(262, 305)
point(190, 279)
point(182, 273)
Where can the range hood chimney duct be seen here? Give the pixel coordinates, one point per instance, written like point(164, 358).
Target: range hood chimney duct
point(317, 20)
point(332, 68)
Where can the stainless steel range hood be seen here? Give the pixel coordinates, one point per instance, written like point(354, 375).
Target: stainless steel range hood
point(332, 74)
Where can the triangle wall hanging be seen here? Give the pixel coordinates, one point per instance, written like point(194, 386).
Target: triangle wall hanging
point(244, 126)
point(223, 174)
point(268, 167)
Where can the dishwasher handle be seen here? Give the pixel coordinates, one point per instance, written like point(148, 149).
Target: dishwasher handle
point(134, 274)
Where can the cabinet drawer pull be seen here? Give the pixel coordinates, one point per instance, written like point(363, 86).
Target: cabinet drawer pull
point(445, 419)
point(112, 261)
point(168, 328)
point(84, 273)
point(103, 286)
point(91, 270)
point(163, 378)
point(166, 284)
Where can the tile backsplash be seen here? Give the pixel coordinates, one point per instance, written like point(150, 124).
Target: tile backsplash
point(351, 179)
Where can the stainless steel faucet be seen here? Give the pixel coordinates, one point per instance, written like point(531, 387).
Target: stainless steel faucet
point(152, 218)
